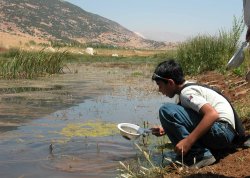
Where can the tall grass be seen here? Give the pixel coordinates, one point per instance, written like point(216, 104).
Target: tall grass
point(24, 64)
point(206, 52)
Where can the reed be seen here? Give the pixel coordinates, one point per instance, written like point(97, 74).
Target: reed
point(23, 64)
point(146, 167)
point(141, 169)
point(207, 52)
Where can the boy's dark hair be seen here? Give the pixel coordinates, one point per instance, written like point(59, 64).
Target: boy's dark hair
point(169, 69)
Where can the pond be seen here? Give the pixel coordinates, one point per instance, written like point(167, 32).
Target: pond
point(66, 125)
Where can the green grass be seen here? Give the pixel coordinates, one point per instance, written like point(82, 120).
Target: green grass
point(79, 58)
point(207, 53)
point(16, 63)
point(23, 64)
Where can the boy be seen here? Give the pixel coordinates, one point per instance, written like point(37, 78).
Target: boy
point(203, 120)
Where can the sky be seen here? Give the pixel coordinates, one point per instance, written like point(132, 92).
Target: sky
point(167, 20)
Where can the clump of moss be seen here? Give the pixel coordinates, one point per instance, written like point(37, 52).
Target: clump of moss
point(89, 129)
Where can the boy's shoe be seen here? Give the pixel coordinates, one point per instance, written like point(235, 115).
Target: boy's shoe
point(246, 144)
point(204, 161)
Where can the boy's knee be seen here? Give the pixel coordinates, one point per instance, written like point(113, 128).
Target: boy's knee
point(168, 107)
point(166, 111)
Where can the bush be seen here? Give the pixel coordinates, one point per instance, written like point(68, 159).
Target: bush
point(31, 64)
point(206, 52)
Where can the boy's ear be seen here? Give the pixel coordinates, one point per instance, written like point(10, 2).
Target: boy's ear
point(171, 81)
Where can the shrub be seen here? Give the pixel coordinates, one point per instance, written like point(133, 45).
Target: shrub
point(31, 64)
point(206, 52)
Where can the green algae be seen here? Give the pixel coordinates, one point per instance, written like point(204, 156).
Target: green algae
point(89, 129)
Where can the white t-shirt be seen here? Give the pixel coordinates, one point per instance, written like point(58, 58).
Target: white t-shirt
point(246, 8)
point(195, 97)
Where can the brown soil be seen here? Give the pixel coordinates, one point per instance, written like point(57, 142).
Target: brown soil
point(236, 163)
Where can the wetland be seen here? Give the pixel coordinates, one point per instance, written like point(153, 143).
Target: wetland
point(65, 125)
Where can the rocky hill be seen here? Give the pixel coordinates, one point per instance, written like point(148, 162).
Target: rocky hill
point(58, 20)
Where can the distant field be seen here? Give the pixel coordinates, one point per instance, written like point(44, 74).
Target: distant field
point(30, 43)
point(17, 41)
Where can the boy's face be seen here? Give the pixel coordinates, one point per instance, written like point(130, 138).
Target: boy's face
point(166, 88)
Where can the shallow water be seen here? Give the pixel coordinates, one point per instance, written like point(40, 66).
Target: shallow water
point(32, 141)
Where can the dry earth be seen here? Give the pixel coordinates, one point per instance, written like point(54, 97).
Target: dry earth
point(18, 40)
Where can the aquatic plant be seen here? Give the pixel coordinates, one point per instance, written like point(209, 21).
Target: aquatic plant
point(24, 64)
point(146, 168)
point(89, 129)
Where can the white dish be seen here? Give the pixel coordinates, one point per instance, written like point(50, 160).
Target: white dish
point(131, 131)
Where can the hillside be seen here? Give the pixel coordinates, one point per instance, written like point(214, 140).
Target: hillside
point(57, 20)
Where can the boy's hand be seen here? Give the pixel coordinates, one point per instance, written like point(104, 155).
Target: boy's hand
point(158, 131)
point(183, 146)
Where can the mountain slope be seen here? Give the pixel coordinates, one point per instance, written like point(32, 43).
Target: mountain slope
point(60, 20)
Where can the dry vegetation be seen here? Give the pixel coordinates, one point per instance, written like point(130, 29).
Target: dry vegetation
point(18, 41)
point(30, 43)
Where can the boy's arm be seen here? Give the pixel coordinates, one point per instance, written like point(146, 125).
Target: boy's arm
point(210, 115)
